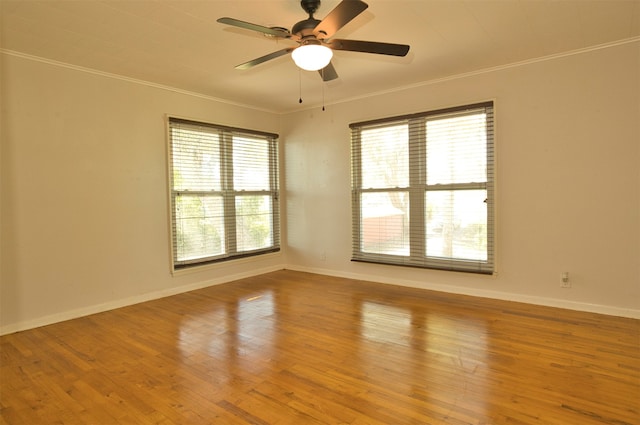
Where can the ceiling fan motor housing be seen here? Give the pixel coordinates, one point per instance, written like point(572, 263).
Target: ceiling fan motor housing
point(305, 28)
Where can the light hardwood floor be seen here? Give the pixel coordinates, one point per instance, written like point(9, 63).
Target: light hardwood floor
point(298, 348)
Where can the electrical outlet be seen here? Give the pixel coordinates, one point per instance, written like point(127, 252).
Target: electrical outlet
point(564, 280)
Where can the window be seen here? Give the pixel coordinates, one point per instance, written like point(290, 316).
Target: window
point(224, 192)
point(422, 189)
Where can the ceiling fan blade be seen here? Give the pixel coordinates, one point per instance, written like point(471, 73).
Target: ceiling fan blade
point(264, 58)
point(342, 14)
point(369, 47)
point(328, 73)
point(254, 27)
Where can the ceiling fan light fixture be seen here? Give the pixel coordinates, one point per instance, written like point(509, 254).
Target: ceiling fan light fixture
point(312, 57)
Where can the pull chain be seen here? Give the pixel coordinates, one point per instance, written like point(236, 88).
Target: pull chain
point(300, 85)
point(322, 88)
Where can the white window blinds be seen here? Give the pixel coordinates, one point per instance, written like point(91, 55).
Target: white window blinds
point(422, 189)
point(224, 192)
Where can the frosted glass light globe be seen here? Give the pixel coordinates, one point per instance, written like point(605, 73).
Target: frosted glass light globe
point(312, 57)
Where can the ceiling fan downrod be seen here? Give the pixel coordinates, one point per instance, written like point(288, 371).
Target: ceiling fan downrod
point(310, 6)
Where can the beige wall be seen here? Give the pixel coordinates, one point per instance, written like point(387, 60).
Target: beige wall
point(568, 182)
point(84, 192)
point(84, 197)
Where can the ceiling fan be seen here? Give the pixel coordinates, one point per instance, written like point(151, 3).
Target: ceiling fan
point(315, 45)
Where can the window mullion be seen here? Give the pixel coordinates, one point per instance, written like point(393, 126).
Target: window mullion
point(226, 166)
point(417, 177)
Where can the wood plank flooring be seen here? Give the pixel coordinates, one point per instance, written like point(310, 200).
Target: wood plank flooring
point(297, 348)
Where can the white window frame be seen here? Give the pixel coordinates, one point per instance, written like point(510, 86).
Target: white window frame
point(417, 190)
point(226, 192)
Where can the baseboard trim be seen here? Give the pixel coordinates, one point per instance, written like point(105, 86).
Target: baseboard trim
point(504, 296)
point(99, 308)
point(124, 302)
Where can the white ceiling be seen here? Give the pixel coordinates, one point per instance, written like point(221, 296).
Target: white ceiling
point(178, 43)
